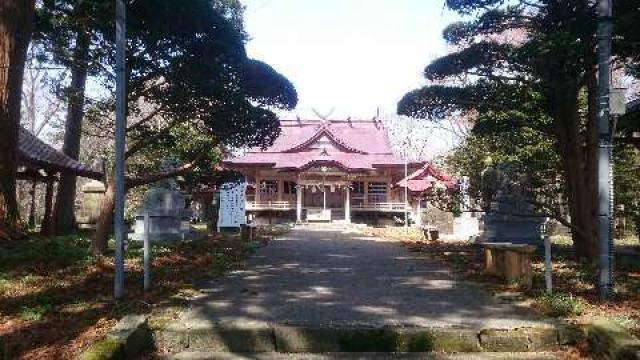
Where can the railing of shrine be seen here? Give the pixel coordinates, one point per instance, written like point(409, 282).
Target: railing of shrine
point(380, 206)
point(291, 205)
point(270, 205)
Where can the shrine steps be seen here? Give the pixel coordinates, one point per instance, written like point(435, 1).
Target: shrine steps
point(275, 341)
point(359, 356)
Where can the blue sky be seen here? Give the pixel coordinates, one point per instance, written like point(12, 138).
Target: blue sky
point(354, 55)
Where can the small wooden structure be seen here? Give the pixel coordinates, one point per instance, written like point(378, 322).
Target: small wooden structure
point(511, 261)
point(37, 161)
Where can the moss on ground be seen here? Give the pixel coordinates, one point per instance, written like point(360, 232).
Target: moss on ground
point(105, 349)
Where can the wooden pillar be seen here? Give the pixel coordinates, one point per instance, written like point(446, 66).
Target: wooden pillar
point(418, 212)
point(280, 189)
point(47, 222)
point(257, 197)
point(366, 192)
point(347, 205)
point(490, 263)
point(299, 204)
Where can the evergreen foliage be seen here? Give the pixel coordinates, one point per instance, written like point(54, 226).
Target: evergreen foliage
point(525, 71)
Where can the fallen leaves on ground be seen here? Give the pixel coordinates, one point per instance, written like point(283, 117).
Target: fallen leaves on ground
point(569, 277)
point(57, 301)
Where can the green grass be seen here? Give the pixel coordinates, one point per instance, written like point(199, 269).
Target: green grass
point(60, 251)
point(35, 312)
point(561, 304)
point(627, 263)
point(253, 246)
point(565, 240)
point(4, 281)
point(136, 250)
point(628, 241)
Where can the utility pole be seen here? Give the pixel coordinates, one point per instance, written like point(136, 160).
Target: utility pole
point(406, 175)
point(605, 179)
point(121, 82)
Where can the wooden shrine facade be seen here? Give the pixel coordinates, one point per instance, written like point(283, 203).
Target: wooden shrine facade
point(327, 171)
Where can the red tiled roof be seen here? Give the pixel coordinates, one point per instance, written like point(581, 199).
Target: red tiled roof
point(300, 160)
point(424, 178)
point(359, 145)
point(36, 154)
point(361, 136)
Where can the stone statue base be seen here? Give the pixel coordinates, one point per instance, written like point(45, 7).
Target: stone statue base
point(511, 229)
point(465, 227)
point(163, 226)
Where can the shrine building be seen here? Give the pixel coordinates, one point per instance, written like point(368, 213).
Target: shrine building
point(332, 170)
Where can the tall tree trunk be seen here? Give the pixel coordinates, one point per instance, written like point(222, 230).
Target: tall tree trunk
point(46, 228)
point(105, 221)
point(64, 213)
point(15, 34)
point(590, 176)
point(32, 204)
point(577, 172)
point(29, 103)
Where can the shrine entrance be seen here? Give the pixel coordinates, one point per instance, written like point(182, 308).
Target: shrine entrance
point(323, 195)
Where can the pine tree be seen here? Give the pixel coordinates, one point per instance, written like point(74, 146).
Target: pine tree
point(519, 62)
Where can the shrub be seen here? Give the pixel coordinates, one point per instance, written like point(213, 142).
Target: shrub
point(35, 312)
point(561, 304)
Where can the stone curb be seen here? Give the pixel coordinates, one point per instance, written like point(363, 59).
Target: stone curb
point(321, 339)
point(194, 355)
point(612, 341)
point(130, 338)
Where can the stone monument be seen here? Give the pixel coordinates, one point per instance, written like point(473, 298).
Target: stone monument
point(508, 217)
point(92, 194)
point(465, 226)
point(164, 206)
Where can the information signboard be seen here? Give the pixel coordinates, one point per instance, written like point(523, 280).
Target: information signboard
point(232, 205)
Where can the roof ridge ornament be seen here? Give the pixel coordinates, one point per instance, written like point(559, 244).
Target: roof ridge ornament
point(375, 119)
point(324, 116)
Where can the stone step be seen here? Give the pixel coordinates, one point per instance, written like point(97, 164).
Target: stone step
point(272, 338)
point(359, 356)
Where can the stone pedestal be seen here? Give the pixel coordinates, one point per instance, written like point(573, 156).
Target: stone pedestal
point(164, 208)
point(92, 195)
point(465, 227)
point(163, 225)
point(510, 229)
point(512, 261)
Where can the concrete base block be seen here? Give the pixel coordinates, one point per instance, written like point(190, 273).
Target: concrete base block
point(572, 334)
point(455, 340)
point(233, 340)
point(500, 340)
point(300, 339)
point(612, 341)
point(262, 337)
point(129, 339)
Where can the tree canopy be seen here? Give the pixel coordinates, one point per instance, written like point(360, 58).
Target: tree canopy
point(192, 91)
point(526, 72)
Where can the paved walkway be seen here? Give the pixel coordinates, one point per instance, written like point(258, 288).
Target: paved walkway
point(336, 276)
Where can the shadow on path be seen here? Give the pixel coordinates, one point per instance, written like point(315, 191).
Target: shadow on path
point(335, 276)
